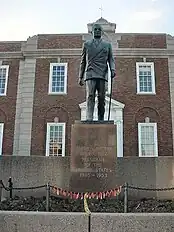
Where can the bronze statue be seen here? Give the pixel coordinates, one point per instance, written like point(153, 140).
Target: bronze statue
point(96, 55)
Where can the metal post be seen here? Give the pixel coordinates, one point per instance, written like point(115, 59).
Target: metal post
point(47, 197)
point(126, 198)
point(1, 187)
point(10, 185)
point(89, 223)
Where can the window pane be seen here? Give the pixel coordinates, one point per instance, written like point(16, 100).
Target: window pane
point(147, 141)
point(145, 78)
point(58, 79)
point(2, 80)
point(56, 140)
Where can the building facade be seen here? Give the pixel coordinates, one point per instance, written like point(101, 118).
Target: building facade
point(40, 97)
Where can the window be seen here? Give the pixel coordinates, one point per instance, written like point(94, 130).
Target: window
point(55, 141)
point(58, 78)
point(1, 136)
point(145, 78)
point(147, 139)
point(3, 79)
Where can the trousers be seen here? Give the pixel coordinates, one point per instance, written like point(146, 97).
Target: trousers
point(92, 86)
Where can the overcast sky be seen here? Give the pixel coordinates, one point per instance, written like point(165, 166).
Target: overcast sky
point(23, 18)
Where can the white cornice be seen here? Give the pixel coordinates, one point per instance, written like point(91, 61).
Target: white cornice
point(128, 52)
point(11, 55)
point(119, 52)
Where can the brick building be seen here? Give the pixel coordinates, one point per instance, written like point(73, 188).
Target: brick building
point(40, 97)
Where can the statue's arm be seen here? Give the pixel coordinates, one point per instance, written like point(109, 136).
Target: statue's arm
point(111, 61)
point(83, 62)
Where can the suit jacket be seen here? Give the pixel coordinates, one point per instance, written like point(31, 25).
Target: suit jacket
point(95, 60)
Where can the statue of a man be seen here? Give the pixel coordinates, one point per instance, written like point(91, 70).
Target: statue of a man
point(96, 55)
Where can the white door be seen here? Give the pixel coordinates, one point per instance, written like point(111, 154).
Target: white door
point(116, 114)
point(1, 136)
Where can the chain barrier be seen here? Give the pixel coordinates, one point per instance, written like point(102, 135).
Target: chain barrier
point(30, 188)
point(20, 188)
point(3, 186)
point(51, 186)
point(150, 189)
point(84, 196)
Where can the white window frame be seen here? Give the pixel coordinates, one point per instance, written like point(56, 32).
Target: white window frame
point(151, 64)
point(50, 78)
point(1, 136)
point(155, 138)
point(48, 137)
point(6, 79)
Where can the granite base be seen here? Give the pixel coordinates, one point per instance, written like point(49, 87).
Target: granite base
point(93, 156)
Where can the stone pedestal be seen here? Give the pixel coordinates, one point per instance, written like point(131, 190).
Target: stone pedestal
point(93, 156)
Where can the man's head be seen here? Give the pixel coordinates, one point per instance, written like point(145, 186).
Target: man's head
point(97, 31)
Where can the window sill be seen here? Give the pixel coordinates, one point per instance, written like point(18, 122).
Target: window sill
point(146, 156)
point(57, 93)
point(55, 155)
point(144, 93)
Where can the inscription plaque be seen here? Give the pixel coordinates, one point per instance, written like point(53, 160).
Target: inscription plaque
point(93, 157)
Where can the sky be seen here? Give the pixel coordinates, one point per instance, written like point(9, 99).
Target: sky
point(20, 19)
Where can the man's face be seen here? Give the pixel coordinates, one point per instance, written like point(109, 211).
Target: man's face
point(97, 31)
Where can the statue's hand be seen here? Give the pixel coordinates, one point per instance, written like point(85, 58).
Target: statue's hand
point(81, 82)
point(113, 74)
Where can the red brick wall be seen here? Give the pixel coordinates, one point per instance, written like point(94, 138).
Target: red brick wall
point(47, 107)
point(59, 41)
point(8, 106)
point(142, 41)
point(10, 46)
point(127, 41)
point(137, 107)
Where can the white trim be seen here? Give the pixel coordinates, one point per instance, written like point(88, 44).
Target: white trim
point(50, 78)
point(155, 138)
point(151, 64)
point(119, 131)
point(48, 137)
point(121, 52)
point(109, 82)
point(71, 52)
point(1, 136)
point(6, 79)
point(116, 115)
